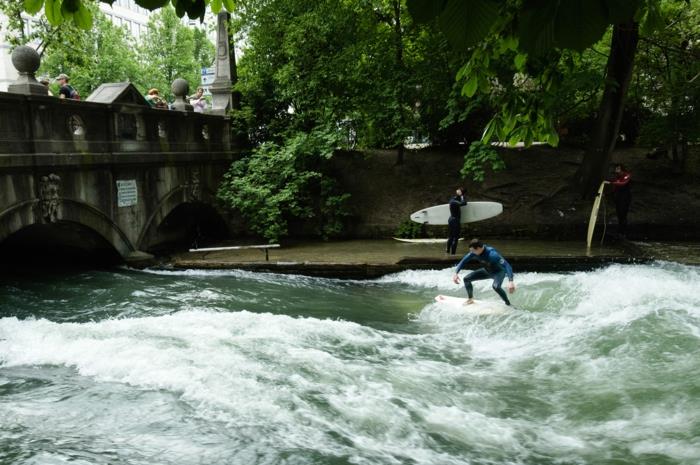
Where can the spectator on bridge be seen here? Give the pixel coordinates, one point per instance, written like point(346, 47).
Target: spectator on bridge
point(155, 100)
point(45, 81)
point(198, 101)
point(66, 90)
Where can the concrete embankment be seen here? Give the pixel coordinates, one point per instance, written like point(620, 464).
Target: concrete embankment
point(368, 259)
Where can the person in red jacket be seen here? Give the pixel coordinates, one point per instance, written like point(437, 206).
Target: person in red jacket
point(622, 196)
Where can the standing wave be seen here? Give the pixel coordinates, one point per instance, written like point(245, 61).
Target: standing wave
point(588, 368)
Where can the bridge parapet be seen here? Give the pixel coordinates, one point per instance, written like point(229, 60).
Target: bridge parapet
point(43, 124)
point(115, 118)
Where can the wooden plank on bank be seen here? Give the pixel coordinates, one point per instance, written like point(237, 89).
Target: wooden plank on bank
point(237, 247)
point(264, 247)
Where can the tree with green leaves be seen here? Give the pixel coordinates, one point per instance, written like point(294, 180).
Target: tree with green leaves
point(105, 53)
point(94, 57)
point(343, 63)
point(169, 51)
point(80, 13)
point(666, 84)
point(42, 32)
point(281, 183)
point(348, 74)
point(538, 34)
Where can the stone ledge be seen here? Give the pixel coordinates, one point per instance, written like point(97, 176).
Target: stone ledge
point(376, 270)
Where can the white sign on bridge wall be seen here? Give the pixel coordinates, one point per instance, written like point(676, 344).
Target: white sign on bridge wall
point(127, 194)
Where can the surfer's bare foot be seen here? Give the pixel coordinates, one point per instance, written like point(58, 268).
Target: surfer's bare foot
point(469, 302)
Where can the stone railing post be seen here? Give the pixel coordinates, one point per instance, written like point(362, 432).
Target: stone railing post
point(221, 87)
point(26, 60)
point(180, 89)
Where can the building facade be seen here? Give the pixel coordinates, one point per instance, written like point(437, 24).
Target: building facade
point(128, 14)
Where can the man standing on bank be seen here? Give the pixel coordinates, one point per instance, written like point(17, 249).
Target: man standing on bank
point(495, 267)
point(622, 196)
point(453, 223)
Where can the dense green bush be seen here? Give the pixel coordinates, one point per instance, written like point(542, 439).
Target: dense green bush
point(278, 182)
point(409, 230)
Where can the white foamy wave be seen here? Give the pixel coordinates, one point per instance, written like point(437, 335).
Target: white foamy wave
point(196, 272)
point(240, 368)
point(570, 373)
point(442, 279)
point(289, 280)
point(469, 427)
point(298, 377)
point(561, 315)
point(436, 279)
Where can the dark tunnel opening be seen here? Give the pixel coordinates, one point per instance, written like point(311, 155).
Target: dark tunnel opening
point(56, 246)
point(190, 225)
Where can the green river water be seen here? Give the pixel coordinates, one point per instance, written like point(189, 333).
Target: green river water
point(230, 367)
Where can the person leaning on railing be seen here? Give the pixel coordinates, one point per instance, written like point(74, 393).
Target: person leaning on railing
point(198, 101)
point(45, 81)
point(155, 100)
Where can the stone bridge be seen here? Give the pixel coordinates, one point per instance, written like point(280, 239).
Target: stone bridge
point(117, 178)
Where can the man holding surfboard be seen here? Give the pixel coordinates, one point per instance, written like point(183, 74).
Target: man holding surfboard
point(622, 196)
point(453, 223)
point(495, 267)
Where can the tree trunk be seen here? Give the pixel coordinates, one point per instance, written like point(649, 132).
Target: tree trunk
point(618, 75)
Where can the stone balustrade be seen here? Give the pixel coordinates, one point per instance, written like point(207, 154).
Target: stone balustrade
point(31, 122)
point(43, 124)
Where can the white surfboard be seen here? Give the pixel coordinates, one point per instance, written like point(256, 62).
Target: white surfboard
point(430, 240)
point(471, 212)
point(594, 215)
point(479, 307)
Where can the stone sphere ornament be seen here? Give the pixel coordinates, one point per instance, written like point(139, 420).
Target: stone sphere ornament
point(25, 59)
point(180, 88)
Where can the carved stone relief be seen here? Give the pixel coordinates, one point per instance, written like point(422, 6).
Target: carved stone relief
point(193, 191)
point(50, 197)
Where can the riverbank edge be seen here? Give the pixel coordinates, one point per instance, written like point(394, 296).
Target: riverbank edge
point(541, 264)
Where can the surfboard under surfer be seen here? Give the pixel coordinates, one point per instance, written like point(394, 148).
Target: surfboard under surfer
point(495, 267)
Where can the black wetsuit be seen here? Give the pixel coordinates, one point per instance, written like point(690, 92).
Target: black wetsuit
point(495, 267)
point(453, 223)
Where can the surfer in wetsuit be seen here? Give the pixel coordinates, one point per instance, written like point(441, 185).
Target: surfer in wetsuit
point(456, 204)
point(622, 196)
point(495, 267)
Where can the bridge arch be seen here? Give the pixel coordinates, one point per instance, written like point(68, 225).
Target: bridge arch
point(29, 213)
point(199, 207)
